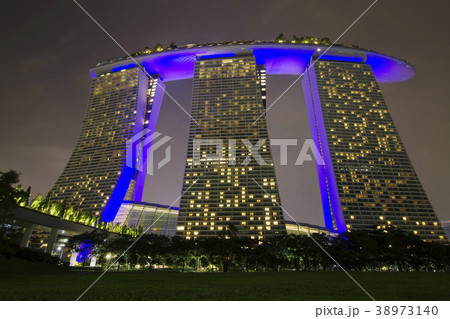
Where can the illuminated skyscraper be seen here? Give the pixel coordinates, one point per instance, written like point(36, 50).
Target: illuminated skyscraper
point(228, 96)
point(96, 178)
point(367, 178)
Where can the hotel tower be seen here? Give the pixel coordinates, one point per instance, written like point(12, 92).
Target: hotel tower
point(229, 185)
point(368, 179)
point(121, 106)
point(222, 183)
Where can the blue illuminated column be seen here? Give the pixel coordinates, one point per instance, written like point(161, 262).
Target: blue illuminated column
point(155, 97)
point(328, 190)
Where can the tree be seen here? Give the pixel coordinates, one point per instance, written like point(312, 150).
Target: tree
point(309, 40)
point(182, 250)
point(365, 247)
point(102, 225)
point(8, 194)
point(342, 251)
point(295, 250)
point(118, 246)
point(281, 38)
point(158, 47)
point(211, 250)
point(244, 254)
point(54, 209)
point(45, 205)
point(68, 213)
point(22, 197)
point(36, 203)
point(123, 229)
point(227, 237)
point(139, 231)
point(95, 221)
point(146, 50)
point(305, 40)
point(62, 209)
point(171, 46)
point(87, 244)
point(109, 226)
point(150, 249)
point(8, 201)
point(295, 39)
point(325, 41)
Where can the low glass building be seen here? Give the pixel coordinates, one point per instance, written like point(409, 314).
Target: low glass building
point(153, 218)
point(297, 228)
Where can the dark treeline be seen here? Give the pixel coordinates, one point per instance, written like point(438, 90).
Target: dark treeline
point(370, 250)
point(388, 249)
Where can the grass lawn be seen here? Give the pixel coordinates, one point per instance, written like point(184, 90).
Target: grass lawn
point(42, 282)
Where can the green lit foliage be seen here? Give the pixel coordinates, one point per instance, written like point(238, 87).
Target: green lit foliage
point(116, 228)
point(54, 209)
point(18, 197)
point(68, 213)
point(94, 221)
point(102, 225)
point(158, 47)
point(146, 50)
point(45, 205)
point(37, 202)
point(83, 218)
point(123, 230)
point(309, 40)
point(109, 227)
point(281, 38)
point(21, 196)
point(62, 209)
point(325, 41)
point(73, 215)
point(26, 198)
point(171, 46)
point(139, 231)
point(295, 39)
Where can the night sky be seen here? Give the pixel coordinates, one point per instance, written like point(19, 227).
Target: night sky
point(47, 48)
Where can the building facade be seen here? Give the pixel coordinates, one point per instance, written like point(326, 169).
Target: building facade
point(368, 179)
point(446, 225)
point(122, 105)
point(222, 177)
